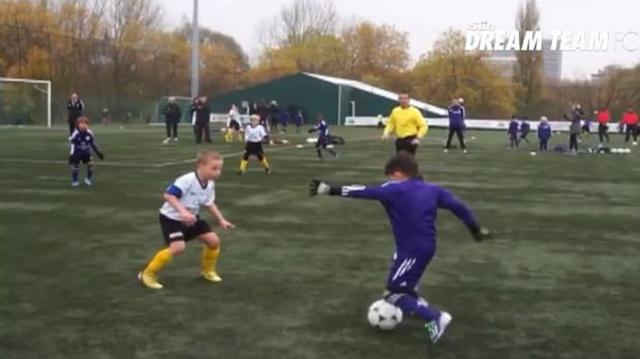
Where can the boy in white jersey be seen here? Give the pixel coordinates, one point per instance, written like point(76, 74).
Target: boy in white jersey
point(180, 222)
point(254, 134)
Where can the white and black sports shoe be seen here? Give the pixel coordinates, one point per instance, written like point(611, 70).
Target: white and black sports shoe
point(436, 328)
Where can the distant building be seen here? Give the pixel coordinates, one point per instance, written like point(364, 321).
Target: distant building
point(552, 61)
point(506, 62)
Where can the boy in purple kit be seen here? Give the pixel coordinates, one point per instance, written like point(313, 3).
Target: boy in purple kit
point(513, 132)
point(412, 205)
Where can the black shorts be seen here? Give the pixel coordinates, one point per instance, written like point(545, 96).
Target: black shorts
point(404, 144)
point(254, 148)
point(77, 158)
point(234, 125)
point(173, 230)
point(322, 142)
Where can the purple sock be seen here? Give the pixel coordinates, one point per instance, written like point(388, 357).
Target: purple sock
point(410, 304)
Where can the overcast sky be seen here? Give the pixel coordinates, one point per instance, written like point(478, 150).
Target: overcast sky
point(424, 20)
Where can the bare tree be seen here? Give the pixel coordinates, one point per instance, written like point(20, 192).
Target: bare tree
point(299, 22)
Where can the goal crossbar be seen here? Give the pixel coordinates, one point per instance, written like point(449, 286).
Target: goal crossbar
point(35, 82)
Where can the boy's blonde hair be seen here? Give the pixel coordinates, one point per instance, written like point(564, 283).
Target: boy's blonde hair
point(255, 118)
point(206, 156)
point(82, 119)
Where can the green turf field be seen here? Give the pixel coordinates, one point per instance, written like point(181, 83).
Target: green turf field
point(559, 280)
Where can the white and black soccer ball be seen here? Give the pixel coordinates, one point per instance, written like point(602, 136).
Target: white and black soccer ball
point(384, 315)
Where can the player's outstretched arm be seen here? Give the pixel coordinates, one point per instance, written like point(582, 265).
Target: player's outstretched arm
point(460, 210)
point(318, 187)
point(389, 127)
point(215, 212)
point(97, 150)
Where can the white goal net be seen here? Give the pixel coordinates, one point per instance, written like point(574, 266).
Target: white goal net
point(25, 102)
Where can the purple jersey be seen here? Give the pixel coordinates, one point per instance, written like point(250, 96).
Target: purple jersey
point(456, 117)
point(323, 130)
point(412, 207)
point(82, 142)
point(513, 128)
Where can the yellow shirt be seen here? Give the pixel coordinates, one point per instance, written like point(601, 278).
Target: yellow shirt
point(406, 122)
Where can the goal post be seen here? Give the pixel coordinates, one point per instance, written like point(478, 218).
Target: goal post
point(25, 97)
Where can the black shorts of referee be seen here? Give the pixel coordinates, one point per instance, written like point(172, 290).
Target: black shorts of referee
point(405, 144)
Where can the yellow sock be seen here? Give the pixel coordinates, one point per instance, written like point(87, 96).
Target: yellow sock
point(243, 165)
point(265, 163)
point(210, 258)
point(161, 259)
point(228, 136)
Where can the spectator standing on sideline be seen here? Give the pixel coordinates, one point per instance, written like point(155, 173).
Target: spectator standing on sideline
point(603, 118)
point(172, 115)
point(75, 107)
point(274, 116)
point(574, 132)
point(630, 119)
point(263, 112)
point(299, 120)
point(201, 113)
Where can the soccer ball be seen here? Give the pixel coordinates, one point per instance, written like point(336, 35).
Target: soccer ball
point(615, 150)
point(383, 315)
point(533, 153)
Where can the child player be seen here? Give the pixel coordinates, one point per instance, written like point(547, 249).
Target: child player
point(323, 137)
point(525, 128)
point(82, 142)
point(254, 135)
point(544, 133)
point(412, 205)
point(233, 125)
point(180, 220)
point(513, 132)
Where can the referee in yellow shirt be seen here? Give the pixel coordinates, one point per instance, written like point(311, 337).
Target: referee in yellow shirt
point(407, 123)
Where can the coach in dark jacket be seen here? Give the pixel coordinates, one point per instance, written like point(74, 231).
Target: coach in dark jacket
point(172, 115)
point(201, 125)
point(75, 106)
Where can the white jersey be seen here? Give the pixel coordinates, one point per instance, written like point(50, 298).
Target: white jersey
point(189, 190)
point(254, 134)
point(233, 116)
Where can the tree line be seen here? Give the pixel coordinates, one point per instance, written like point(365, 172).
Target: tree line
point(120, 55)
